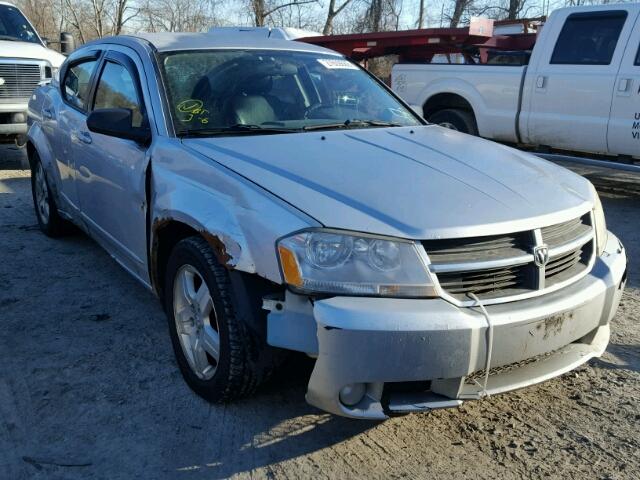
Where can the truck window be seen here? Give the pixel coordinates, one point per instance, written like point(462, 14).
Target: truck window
point(589, 38)
point(638, 57)
point(13, 25)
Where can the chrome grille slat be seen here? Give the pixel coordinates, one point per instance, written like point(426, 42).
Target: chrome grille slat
point(502, 266)
point(20, 79)
point(563, 233)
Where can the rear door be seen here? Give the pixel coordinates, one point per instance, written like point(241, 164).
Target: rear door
point(624, 125)
point(571, 87)
point(61, 120)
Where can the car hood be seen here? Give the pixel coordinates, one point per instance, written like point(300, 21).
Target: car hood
point(422, 183)
point(30, 50)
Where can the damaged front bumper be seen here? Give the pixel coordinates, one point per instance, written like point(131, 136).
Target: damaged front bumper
point(370, 345)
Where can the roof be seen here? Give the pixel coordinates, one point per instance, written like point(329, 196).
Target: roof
point(228, 38)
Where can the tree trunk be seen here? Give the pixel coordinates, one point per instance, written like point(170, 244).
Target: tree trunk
point(259, 12)
point(514, 9)
point(421, 15)
point(458, 11)
point(331, 14)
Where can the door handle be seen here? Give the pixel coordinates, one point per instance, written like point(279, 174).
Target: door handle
point(624, 85)
point(541, 81)
point(47, 114)
point(84, 137)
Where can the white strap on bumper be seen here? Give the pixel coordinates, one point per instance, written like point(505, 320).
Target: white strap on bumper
point(489, 339)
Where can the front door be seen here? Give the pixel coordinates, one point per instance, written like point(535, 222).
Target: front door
point(111, 171)
point(572, 85)
point(624, 124)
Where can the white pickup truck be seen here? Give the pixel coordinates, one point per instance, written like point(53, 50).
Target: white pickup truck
point(25, 62)
point(579, 92)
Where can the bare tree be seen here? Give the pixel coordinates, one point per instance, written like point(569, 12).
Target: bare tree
point(177, 15)
point(263, 9)
point(332, 14)
point(459, 8)
point(420, 23)
point(122, 14)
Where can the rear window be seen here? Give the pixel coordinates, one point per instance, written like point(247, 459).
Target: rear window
point(589, 38)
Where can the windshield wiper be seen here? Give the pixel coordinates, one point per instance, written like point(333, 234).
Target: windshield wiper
point(239, 128)
point(355, 123)
point(10, 38)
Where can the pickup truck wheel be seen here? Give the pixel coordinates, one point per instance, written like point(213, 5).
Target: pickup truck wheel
point(49, 219)
point(459, 120)
point(220, 358)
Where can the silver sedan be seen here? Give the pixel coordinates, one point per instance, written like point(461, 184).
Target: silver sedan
point(277, 197)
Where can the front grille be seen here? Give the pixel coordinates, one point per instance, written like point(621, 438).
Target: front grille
point(562, 233)
point(486, 283)
point(502, 266)
point(564, 267)
point(462, 250)
point(20, 79)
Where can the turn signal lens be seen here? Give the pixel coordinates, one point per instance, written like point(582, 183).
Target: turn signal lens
point(290, 267)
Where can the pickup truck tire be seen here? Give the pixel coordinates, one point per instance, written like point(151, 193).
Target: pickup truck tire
point(454, 119)
point(49, 220)
point(244, 360)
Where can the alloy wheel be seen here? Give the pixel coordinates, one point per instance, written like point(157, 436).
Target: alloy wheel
point(196, 322)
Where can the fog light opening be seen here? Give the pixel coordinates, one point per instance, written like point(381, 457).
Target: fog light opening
point(351, 394)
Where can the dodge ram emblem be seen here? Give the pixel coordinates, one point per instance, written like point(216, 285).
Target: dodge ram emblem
point(1, 81)
point(541, 255)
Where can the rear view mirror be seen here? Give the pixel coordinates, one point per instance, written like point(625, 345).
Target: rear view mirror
point(117, 122)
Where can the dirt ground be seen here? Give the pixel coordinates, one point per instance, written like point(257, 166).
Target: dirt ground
point(89, 388)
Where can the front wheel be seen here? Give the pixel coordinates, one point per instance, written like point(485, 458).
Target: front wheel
point(454, 119)
point(219, 356)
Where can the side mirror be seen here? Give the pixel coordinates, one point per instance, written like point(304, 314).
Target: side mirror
point(117, 122)
point(45, 40)
point(67, 43)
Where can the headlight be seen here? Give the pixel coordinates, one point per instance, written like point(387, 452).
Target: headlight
point(600, 224)
point(332, 262)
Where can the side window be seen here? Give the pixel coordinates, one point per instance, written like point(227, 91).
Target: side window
point(76, 83)
point(116, 89)
point(638, 57)
point(589, 38)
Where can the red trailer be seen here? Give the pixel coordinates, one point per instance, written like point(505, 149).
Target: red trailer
point(473, 42)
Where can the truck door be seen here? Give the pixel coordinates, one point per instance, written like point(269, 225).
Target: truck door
point(623, 135)
point(571, 86)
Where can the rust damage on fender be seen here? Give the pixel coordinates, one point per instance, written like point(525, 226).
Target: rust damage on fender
point(219, 249)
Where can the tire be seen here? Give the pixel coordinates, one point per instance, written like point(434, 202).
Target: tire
point(459, 120)
point(244, 360)
point(49, 220)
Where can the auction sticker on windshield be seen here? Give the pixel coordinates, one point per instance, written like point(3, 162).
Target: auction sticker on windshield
point(337, 64)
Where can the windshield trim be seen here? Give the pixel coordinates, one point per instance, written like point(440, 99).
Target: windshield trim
point(173, 126)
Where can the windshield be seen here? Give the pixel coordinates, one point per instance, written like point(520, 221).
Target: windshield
point(258, 91)
point(15, 27)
